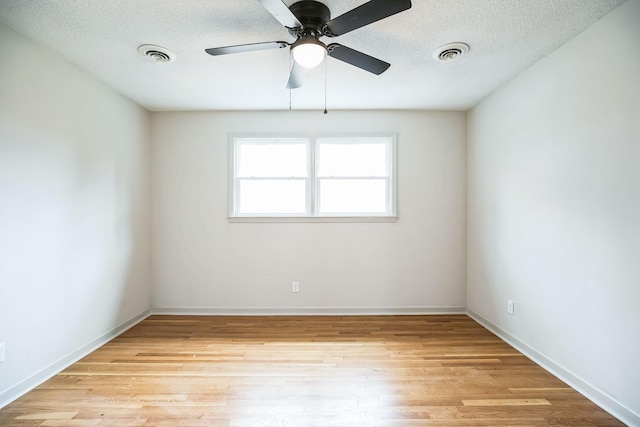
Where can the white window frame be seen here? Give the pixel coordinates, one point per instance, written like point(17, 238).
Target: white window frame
point(312, 181)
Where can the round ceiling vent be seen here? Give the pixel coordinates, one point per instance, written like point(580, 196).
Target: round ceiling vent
point(157, 53)
point(450, 51)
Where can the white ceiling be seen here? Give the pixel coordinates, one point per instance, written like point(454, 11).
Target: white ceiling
point(102, 36)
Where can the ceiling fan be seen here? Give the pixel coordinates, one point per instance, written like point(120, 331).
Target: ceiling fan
point(307, 21)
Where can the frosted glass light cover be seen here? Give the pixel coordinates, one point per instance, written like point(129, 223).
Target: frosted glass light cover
point(308, 55)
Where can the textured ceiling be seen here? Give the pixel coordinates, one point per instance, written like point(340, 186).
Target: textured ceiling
point(102, 36)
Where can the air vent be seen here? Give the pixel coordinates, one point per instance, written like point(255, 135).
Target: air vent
point(157, 53)
point(451, 51)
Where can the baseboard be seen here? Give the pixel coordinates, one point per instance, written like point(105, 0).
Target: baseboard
point(43, 375)
point(307, 311)
point(597, 396)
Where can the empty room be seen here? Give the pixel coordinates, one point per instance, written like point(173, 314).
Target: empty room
point(320, 213)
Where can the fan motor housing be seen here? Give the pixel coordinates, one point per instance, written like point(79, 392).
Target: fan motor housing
point(311, 14)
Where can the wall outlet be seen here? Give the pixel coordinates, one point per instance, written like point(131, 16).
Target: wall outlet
point(295, 286)
point(510, 307)
point(1, 352)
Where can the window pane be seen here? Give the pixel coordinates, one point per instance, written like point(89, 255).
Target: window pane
point(349, 159)
point(272, 160)
point(356, 196)
point(272, 196)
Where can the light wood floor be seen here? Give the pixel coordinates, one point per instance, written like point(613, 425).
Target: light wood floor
point(305, 371)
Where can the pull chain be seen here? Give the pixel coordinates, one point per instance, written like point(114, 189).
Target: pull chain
point(325, 85)
point(290, 68)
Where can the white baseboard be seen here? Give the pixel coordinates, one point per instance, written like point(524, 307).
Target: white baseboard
point(597, 396)
point(43, 375)
point(307, 311)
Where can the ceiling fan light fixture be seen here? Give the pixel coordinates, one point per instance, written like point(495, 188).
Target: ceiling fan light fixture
point(308, 51)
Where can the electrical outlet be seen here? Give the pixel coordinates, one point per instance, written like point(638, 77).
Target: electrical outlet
point(1, 352)
point(510, 307)
point(295, 286)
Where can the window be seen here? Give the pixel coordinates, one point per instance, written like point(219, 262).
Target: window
point(321, 178)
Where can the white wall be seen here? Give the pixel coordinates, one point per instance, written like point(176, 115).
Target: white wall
point(74, 261)
point(203, 261)
point(554, 208)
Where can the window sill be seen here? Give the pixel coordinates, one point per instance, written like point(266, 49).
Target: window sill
point(312, 219)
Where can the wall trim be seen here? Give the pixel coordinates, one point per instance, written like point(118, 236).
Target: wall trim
point(306, 311)
point(43, 375)
point(596, 395)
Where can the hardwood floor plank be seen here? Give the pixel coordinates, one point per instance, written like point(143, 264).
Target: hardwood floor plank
point(302, 371)
point(47, 416)
point(507, 402)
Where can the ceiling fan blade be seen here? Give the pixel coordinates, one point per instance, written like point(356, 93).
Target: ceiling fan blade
point(245, 48)
point(296, 76)
point(281, 12)
point(358, 59)
point(366, 14)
